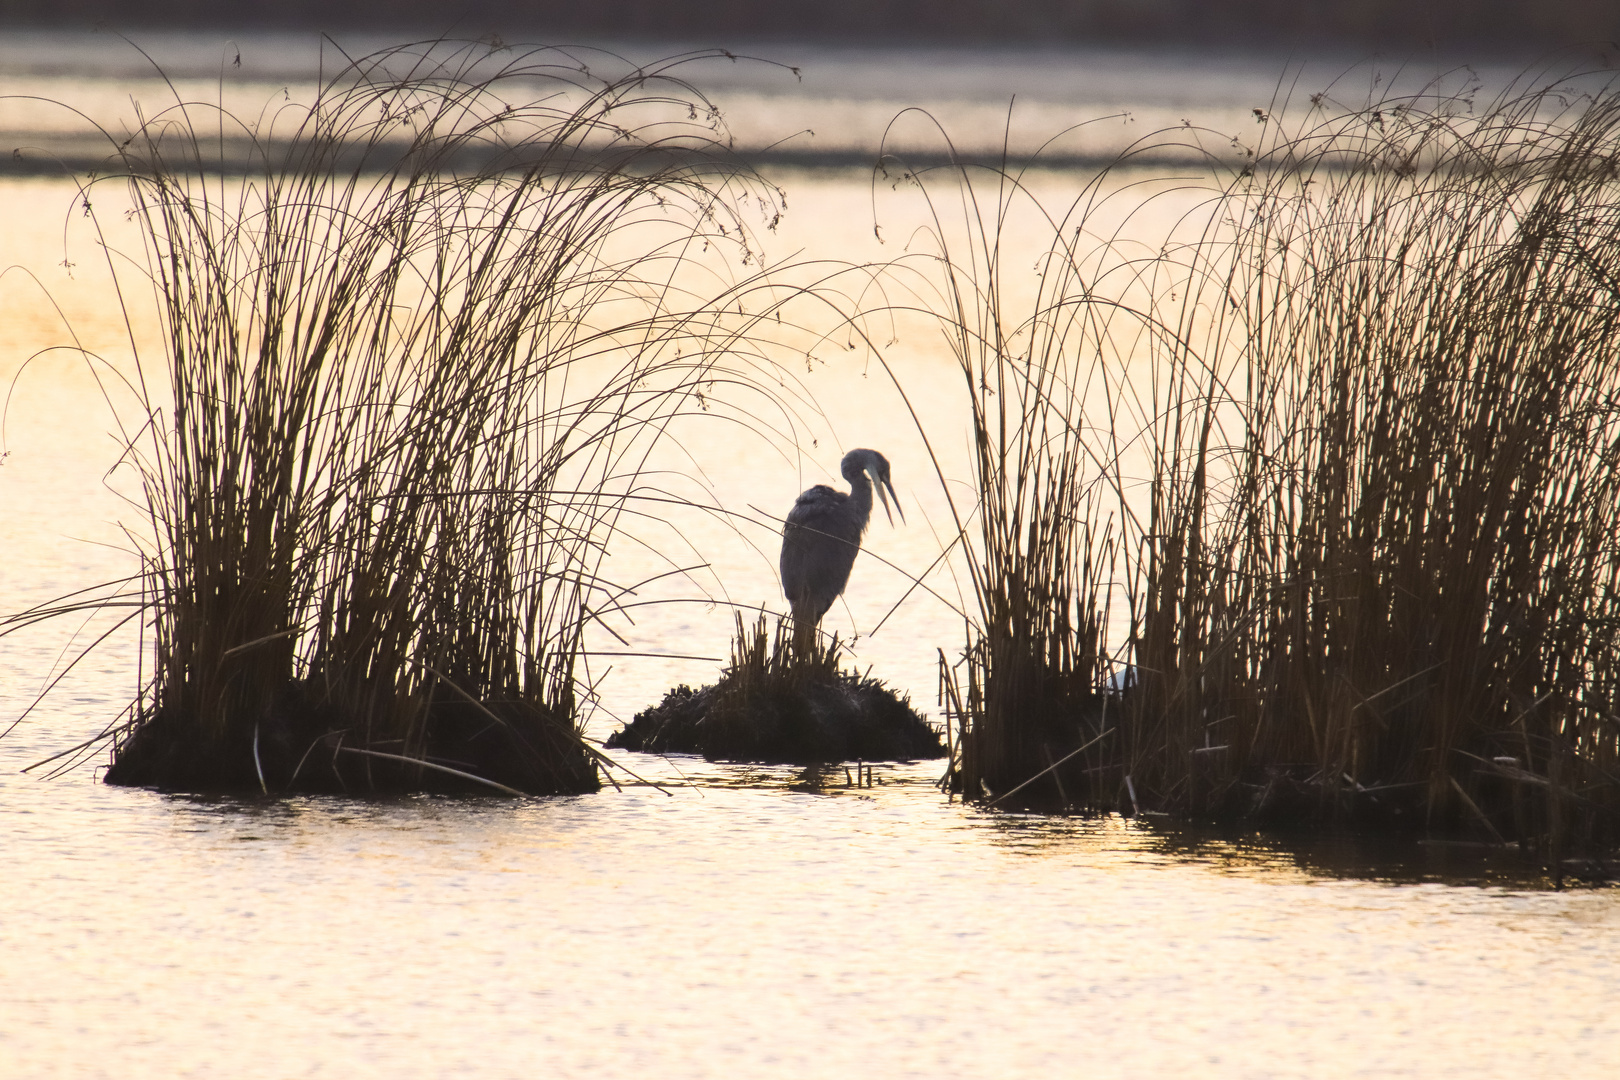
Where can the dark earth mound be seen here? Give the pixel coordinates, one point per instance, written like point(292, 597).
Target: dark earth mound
point(827, 719)
point(306, 741)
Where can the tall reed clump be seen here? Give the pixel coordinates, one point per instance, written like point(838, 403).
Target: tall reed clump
point(1373, 567)
point(1037, 354)
point(1384, 576)
point(420, 335)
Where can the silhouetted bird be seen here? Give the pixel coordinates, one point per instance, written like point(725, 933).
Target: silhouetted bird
point(822, 535)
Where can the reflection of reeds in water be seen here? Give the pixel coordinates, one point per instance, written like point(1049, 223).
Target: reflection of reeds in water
point(1378, 569)
point(417, 356)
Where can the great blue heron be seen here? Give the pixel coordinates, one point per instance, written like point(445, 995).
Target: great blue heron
point(822, 535)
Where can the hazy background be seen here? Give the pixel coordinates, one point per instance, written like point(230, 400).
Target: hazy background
point(1508, 25)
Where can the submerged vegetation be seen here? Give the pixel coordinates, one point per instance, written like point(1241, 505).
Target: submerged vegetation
point(785, 701)
point(421, 335)
point(1365, 505)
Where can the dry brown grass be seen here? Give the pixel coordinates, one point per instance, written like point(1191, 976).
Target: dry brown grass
point(420, 338)
point(1374, 573)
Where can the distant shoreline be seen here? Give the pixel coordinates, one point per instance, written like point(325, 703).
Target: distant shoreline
point(1513, 26)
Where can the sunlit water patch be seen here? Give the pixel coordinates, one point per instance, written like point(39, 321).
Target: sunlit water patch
point(755, 921)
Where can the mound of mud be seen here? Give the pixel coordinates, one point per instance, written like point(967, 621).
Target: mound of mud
point(308, 742)
point(805, 721)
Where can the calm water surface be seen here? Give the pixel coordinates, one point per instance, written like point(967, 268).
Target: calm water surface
point(747, 925)
point(753, 921)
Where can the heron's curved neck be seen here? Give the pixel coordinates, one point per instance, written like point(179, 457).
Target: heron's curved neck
point(860, 493)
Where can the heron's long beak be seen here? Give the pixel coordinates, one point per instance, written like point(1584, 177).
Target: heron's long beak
point(881, 482)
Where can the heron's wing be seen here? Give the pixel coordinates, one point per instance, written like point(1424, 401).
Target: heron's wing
point(819, 542)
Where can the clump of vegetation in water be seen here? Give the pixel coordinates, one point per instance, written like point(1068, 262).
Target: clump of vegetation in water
point(1041, 546)
point(420, 336)
point(1392, 591)
point(1369, 552)
point(779, 703)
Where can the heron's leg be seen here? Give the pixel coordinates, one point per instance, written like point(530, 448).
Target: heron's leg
point(804, 635)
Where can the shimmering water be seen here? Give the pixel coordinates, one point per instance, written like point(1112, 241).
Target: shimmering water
point(748, 926)
point(751, 921)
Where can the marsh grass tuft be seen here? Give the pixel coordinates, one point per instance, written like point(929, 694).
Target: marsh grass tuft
point(1373, 566)
point(420, 337)
point(1044, 537)
point(1389, 586)
point(777, 702)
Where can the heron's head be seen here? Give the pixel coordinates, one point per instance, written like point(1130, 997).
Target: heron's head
point(876, 466)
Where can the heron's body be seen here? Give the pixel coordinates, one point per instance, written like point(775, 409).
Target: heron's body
point(822, 536)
